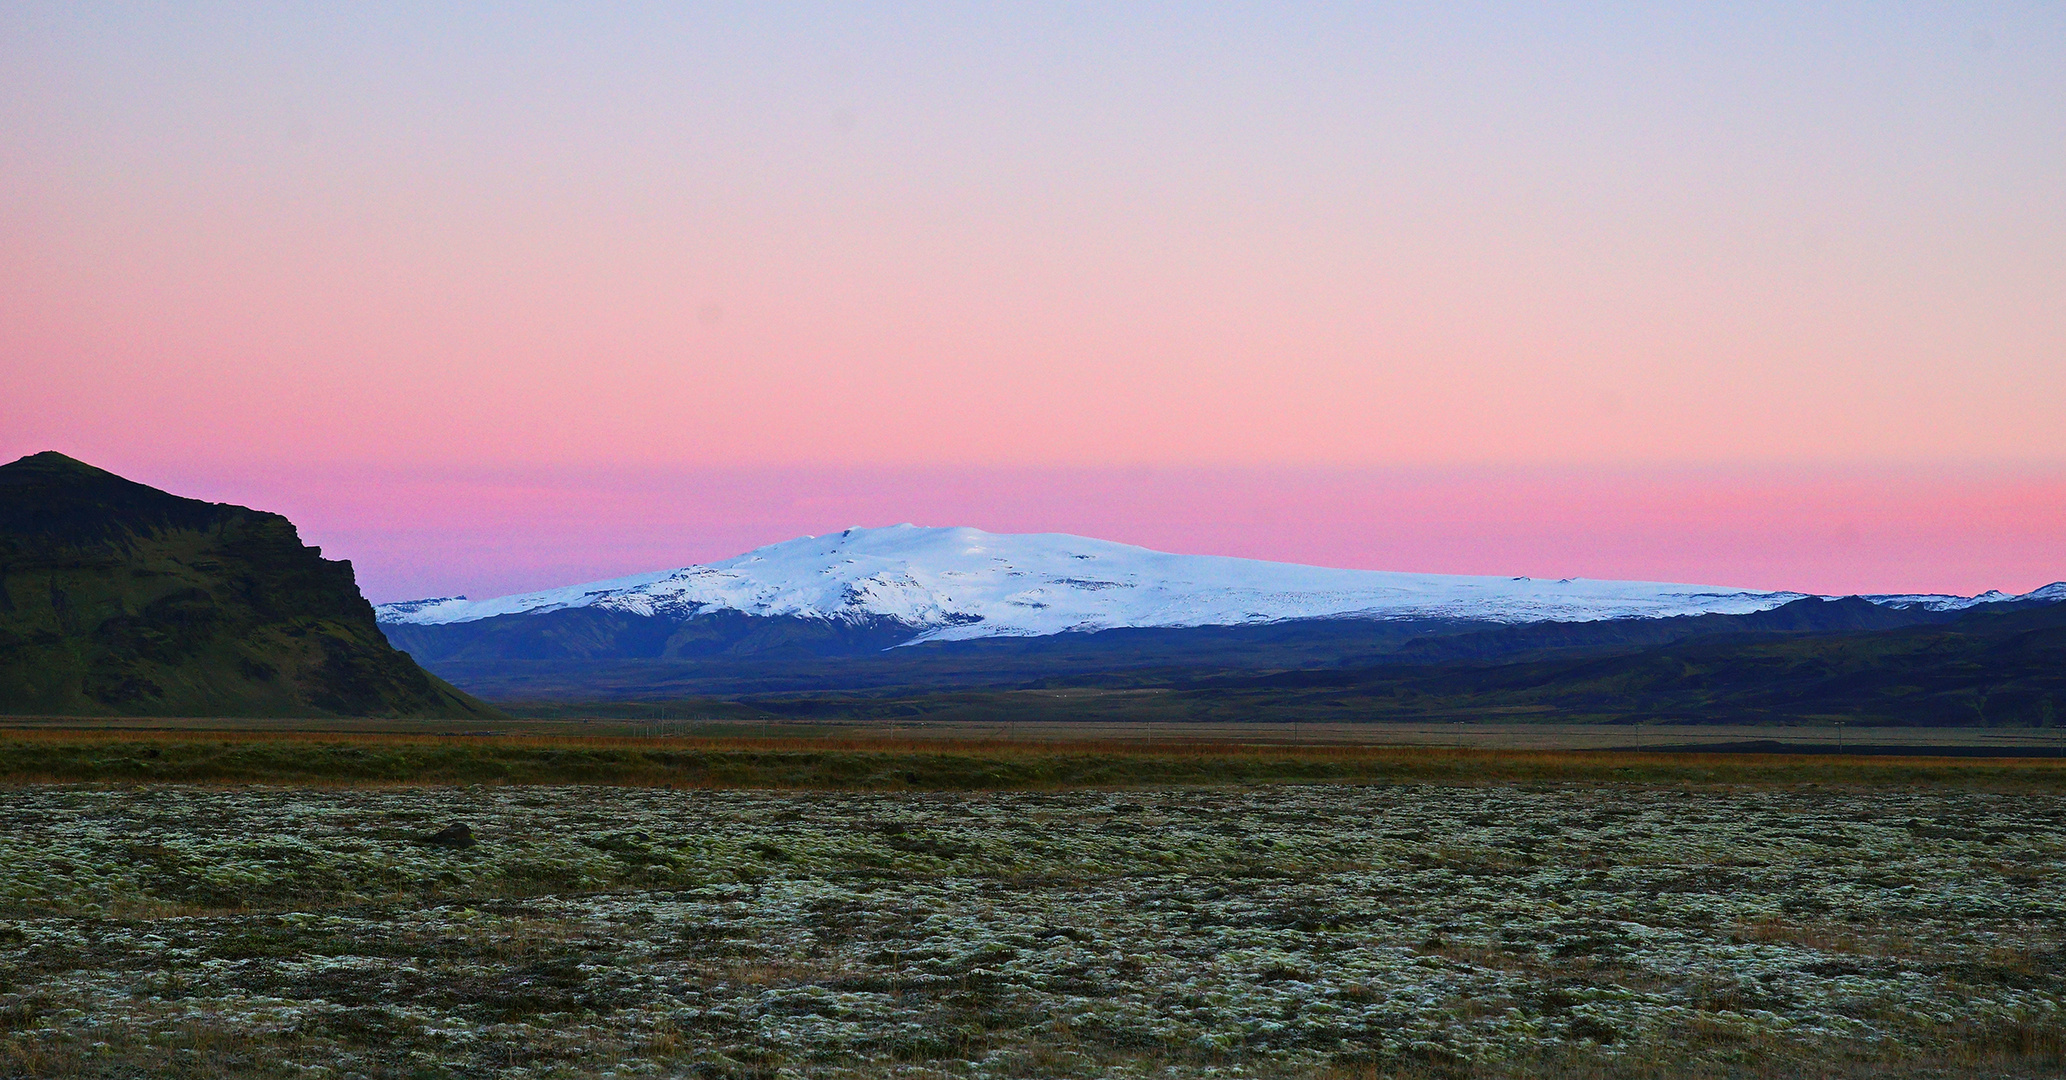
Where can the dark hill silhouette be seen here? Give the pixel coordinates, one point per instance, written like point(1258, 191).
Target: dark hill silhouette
point(120, 599)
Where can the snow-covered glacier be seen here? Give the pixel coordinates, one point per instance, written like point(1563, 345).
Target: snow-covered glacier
point(959, 583)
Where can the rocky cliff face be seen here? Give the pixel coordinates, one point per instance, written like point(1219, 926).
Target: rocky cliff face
point(120, 599)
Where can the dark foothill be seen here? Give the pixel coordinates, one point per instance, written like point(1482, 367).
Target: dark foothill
point(149, 604)
point(451, 836)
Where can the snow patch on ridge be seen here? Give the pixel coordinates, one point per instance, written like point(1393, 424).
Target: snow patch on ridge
point(2050, 594)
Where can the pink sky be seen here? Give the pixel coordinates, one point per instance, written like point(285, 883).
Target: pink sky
point(418, 532)
point(1765, 296)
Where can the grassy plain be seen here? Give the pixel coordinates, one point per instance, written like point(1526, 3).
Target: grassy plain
point(735, 720)
point(282, 904)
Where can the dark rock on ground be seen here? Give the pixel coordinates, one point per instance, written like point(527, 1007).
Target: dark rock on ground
point(457, 835)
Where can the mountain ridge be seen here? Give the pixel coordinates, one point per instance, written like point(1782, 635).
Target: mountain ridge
point(806, 628)
point(961, 583)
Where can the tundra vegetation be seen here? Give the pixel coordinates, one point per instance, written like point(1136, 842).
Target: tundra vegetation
point(893, 911)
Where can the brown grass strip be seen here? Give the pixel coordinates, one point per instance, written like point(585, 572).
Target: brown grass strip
point(888, 763)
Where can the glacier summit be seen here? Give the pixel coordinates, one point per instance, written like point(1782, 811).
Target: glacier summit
point(950, 584)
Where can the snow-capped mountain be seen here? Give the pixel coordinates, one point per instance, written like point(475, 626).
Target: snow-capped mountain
point(2051, 594)
point(948, 584)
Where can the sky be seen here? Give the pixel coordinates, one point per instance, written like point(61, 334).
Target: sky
point(494, 297)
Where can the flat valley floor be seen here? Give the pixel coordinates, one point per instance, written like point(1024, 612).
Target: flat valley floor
point(1317, 930)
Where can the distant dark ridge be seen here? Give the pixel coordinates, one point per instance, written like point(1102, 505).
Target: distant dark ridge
point(1808, 615)
point(1991, 665)
point(591, 654)
point(745, 642)
point(1774, 746)
point(1985, 668)
point(603, 634)
point(120, 599)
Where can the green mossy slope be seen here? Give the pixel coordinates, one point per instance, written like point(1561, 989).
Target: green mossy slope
point(120, 599)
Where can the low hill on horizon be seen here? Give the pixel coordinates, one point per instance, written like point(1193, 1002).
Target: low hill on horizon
point(118, 599)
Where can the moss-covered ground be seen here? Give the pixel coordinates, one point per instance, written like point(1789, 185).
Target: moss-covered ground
point(1414, 925)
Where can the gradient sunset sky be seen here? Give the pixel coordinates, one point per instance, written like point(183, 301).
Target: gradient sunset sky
point(490, 297)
